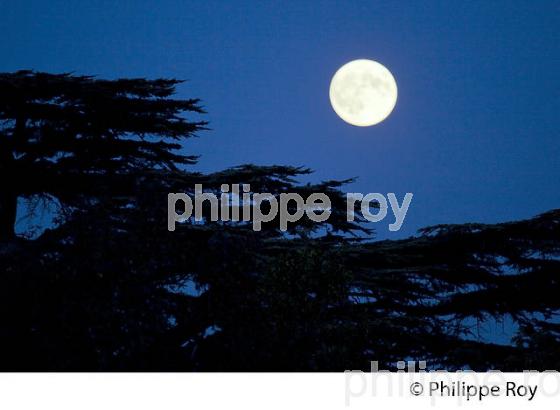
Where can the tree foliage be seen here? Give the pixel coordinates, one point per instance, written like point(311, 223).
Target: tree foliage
point(109, 288)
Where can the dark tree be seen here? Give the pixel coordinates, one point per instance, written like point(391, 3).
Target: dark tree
point(107, 152)
point(109, 288)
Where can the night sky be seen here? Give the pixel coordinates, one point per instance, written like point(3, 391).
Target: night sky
point(474, 134)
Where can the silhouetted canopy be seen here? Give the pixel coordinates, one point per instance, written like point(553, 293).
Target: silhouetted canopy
point(108, 287)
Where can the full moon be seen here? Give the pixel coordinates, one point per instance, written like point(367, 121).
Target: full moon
point(363, 92)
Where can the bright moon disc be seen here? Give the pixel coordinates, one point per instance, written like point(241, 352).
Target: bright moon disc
point(363, 92)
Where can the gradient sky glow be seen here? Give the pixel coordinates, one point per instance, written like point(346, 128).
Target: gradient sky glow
point(474, 134)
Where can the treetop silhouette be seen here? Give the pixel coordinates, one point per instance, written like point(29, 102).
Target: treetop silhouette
point(109, 288)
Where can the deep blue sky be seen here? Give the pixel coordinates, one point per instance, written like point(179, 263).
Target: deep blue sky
point(474, 134)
